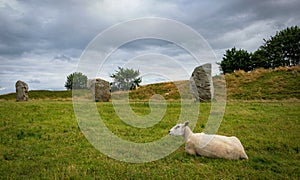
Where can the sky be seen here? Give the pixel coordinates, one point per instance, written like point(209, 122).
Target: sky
point(42, 42)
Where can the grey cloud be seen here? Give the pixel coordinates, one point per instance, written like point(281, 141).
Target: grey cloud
point(143, 44)
point(153, 46)
point(44, 25)
point(34, 81)
point(60, 57)
point(235, 15)
point(64, 24)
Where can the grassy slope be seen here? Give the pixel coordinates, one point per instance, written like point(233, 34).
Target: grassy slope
point(41, 139)
point(279, 83)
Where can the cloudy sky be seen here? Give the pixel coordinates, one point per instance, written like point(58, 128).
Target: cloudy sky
point(41, 42)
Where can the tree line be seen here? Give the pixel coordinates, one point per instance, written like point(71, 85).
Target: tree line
point(283, 49)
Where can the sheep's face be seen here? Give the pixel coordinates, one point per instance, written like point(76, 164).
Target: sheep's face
point(178, 129)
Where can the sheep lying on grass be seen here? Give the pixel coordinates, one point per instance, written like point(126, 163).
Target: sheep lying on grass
point(214, 146)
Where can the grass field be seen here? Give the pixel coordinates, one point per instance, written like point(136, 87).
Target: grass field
point(40, 139)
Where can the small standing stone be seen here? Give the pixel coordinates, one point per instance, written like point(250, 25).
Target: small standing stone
point(201, 83)
point(100, 89)
point(21, 91)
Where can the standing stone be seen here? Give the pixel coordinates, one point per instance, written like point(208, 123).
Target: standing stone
point(100, 89)
point(201, 83)
point(21, 91)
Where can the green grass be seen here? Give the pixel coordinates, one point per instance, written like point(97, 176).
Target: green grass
point(40, 139)
point(279, 83)
point(41, 94)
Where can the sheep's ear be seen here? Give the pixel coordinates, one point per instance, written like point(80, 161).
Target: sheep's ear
point(186, 123)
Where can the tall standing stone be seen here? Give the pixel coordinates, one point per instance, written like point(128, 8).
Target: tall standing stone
point(100, 89)
point(21, 91)
point(201, 83)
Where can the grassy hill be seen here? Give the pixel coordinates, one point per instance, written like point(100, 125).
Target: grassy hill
point(278, 83)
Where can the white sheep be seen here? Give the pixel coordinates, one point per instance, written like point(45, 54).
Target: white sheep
point(214, 146)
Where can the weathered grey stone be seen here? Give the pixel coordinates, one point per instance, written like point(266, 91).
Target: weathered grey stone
point(100, 89)
point(21, 91)
point(201, 83)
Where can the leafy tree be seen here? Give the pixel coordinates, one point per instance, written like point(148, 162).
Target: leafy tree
point(259, 59)
point(283, 49)
point(125, 79)
point(76, 80)
point(236, 60)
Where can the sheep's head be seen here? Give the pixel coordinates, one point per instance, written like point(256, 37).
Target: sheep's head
point(178, 129)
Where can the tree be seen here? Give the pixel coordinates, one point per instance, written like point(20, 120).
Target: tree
point(76, 80)
point(283, 49)
point(259, 59)
point(236, 60)
point(125, 79)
